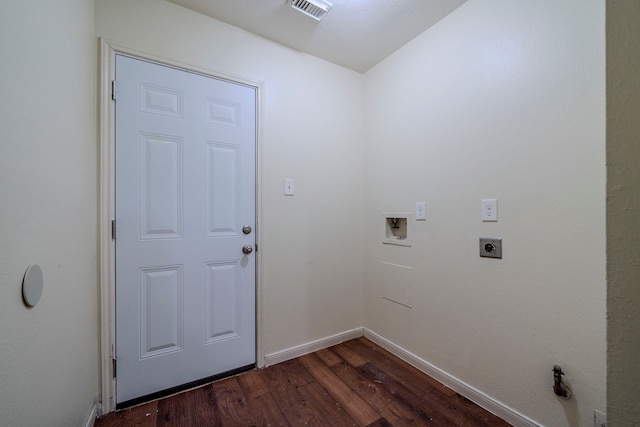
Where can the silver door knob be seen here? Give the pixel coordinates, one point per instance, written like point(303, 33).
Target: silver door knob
point(246, 229)
point(247, 249)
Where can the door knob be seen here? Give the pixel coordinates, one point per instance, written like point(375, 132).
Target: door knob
point(247, 249)
point(246, 229)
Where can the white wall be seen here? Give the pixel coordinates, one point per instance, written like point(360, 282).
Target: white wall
point(312, 131)
point(623, 211)
point(501, 100)
point(49, 353)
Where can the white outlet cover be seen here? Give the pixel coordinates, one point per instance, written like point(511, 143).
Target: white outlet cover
point(490, 210)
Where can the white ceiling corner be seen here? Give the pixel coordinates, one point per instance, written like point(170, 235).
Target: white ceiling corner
point(356, 34)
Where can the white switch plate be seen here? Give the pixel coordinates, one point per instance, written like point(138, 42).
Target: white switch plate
point(421, 211)
point(489, 210)
point(289, 187)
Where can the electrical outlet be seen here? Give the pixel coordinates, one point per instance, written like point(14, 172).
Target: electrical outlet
point(599, 419)
point(489, 210)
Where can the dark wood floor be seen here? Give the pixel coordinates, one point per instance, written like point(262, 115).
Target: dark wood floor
point(356, 383)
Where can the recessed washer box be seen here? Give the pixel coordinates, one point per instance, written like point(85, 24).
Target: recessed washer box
point(397, 228)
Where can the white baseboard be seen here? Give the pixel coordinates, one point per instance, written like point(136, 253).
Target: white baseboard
point(310, 347)
point(91, 419)
point(483, 400)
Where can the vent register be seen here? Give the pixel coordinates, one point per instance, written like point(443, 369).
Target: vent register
point(315, 9)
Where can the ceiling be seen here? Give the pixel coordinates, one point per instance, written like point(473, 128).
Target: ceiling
point(356, 34)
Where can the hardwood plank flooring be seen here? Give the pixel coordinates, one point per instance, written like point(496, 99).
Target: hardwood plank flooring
point(356, 383)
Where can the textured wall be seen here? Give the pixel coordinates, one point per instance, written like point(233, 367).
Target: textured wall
point(501, 100)
point(49, 353)
point(623, 211)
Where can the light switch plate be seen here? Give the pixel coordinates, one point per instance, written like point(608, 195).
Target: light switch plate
point(289, 187)
point(421, 211)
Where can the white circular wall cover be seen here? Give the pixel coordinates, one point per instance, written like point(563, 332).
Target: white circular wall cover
point(32, 285)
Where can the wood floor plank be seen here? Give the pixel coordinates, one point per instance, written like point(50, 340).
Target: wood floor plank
point(395, 412)
point(191, 409)
point(381, 423)
point(412, 378)
point(328, 357)
point(348, 355)
point(286, 374)
point(266, 412)
point(442, 409)
point(282, 381)
point(477, 415)
point(326, 409)
point(252, 384)
point(357, 408)
point(260, 401)
point(296, 408)
point(231, 403)
point(143, 416)
point(427, 411)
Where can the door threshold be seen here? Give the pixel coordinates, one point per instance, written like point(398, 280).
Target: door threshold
point(184, 387)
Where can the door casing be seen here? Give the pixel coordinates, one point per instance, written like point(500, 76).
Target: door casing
point(108, 51)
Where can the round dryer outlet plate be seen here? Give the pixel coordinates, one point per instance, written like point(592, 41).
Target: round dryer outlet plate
point(32, 285)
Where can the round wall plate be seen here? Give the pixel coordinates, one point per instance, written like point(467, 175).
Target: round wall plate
point(32, 285)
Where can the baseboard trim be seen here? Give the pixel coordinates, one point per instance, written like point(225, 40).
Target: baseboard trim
point(93, 415)
point(310, 347)
point(483, 400)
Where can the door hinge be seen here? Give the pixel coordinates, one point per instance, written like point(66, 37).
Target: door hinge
point(114, 90)
point(115, 364)
point(113, 229)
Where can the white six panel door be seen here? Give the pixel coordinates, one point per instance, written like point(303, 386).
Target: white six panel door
point(185, 187)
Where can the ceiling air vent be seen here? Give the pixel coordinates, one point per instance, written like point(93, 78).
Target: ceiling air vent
point(313, 8)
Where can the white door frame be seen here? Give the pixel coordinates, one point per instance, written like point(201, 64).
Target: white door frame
point(108, 51)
